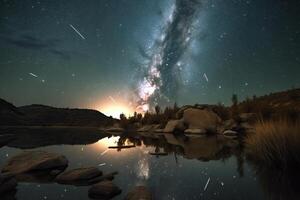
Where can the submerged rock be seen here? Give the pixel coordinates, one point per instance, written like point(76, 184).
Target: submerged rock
point(139, 193)
point(79, 176)
point(104, 190)
point(34, 161)
point(201, 119)
point(174, 125)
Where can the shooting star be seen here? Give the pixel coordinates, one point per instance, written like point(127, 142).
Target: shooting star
point(112, 99)
point(34, 75)
point(102, 164)
point(104, 152)
point(205, 187)
point(77, 31)
point(205, 76)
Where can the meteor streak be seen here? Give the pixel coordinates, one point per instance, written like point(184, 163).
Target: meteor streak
point(77, 31)
point(34, 75)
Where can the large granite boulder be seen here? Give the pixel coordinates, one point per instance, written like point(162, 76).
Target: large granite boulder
point(79, 176)
point(29, 161)
point(104, 190)
point(139, 193)
point(174, 125)
point(201, 119)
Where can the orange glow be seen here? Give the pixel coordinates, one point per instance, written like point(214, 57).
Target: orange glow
point(115, 108)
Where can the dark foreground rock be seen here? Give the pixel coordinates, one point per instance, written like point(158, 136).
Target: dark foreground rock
point(139, 193)
point(30, 161)
point(104, 190)
point(80, 176)
point(8, 184)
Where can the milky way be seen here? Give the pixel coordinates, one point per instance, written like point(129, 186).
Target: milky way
point(162, 79)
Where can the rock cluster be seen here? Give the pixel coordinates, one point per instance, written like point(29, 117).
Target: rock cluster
point(29, 166)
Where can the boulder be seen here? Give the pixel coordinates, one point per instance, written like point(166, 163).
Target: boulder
point(104, 190)
point(29, 161)
point(78, 176)
point(139, 193)
point(201, 119)
point(195, 131)
point(174, 125)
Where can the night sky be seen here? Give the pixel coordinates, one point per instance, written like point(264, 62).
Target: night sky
point(138, 53)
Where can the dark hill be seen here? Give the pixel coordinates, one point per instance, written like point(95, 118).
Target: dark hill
point(41, 115)
point(285, 103)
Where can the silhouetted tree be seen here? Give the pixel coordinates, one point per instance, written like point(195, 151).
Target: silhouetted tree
point(157, 109)
point(234, 99)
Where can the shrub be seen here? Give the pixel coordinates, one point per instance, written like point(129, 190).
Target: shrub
point(275, 143)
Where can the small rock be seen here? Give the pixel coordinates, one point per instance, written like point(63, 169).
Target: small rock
point(35, 160)
point(104, 190)
point(195, 131)
point(230, 133)
point(78, 176)
point(139, 193)
point(148, 128)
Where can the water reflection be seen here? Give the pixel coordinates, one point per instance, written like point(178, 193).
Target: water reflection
point(184, 163)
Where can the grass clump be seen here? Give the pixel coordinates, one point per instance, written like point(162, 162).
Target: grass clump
point(275, 143)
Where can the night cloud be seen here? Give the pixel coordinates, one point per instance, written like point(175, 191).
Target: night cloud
point(36, 44)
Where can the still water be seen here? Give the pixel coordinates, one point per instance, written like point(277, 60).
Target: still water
point(181, 174)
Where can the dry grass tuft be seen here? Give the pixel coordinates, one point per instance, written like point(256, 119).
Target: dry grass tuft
point(275, 143)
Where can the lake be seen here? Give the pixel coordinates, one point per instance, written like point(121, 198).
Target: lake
point(183, 168)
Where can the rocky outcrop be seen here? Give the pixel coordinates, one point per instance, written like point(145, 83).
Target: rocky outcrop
point(201, 119)
point(104, 190)
point(80, 176)
point(29, 161)
point(174, 125)
point(139, 193)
